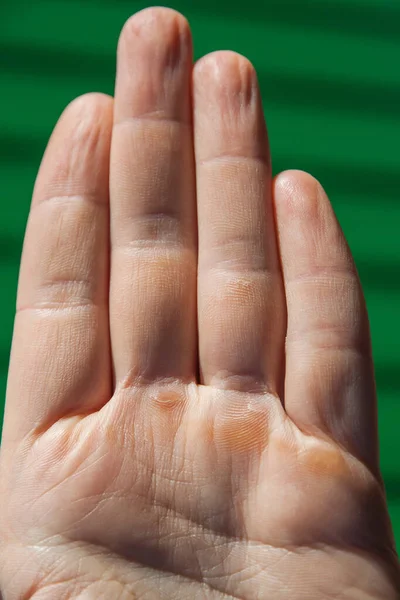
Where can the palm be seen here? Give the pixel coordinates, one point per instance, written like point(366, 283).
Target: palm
point(211, 486)
point(121, 474)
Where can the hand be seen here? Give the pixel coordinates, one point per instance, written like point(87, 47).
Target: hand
point(191, 405)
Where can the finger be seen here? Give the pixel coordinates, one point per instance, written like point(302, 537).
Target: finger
point(153, 228)
point(329, 371)
point(240, 291)
point(60, 361)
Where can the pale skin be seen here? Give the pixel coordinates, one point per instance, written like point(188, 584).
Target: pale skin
point(191, 403)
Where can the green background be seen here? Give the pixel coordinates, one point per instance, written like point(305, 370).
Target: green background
point(330, 78)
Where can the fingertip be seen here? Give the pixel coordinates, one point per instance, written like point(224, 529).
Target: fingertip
point(296, 182)
point(90, 106)
point(79, 143)
point(155, 24)
point(297, 192)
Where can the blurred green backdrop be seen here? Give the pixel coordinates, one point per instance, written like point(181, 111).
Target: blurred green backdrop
point(330, 79)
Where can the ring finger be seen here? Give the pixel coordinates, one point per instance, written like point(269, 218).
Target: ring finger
point(242, 315)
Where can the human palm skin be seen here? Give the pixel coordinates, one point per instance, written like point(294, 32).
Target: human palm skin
point(191, 404)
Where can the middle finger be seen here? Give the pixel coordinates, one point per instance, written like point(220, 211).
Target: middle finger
point(153, 226)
